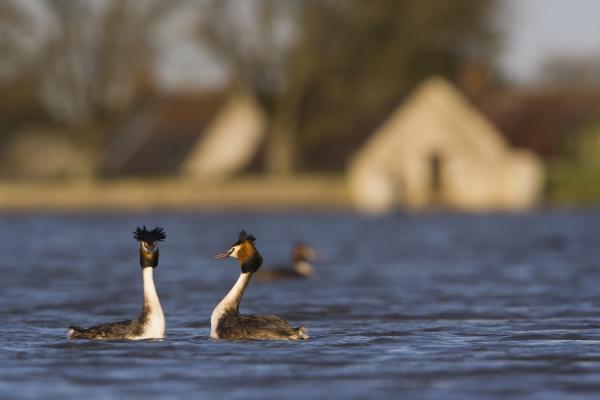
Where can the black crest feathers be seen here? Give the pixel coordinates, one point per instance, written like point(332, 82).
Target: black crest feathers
point(243, 237)
point(144, 235)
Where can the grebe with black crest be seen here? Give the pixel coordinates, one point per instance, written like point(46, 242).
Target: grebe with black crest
point(151, 323)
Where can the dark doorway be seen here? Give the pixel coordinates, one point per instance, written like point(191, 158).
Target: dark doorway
point(435, 176)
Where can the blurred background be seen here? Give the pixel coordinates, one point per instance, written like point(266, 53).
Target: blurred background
point(469, 104)
point(284, 117)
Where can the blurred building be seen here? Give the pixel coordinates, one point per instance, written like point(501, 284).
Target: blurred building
point(436, 149)
point(230, 143)
point(203, 136)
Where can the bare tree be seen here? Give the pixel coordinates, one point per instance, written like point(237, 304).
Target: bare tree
point(96, 58)
point(252, 40)
point(323, 67)
point(13, 23)
point(18, 99)
point(357, 59)
point(88, 62)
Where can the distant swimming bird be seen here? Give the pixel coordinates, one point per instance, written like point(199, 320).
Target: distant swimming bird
point(302, 255)
point(226, 321)
point(151, 323)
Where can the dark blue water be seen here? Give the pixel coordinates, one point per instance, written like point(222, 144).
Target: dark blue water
point(427, 307)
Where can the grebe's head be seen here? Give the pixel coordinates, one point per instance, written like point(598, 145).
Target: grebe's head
point(244, 251)
point(302, 255)
point(304, 252)
point(149, 244)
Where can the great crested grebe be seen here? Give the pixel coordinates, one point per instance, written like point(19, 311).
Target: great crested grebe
point(226, 322)
point(302, 255)
point(151, 323)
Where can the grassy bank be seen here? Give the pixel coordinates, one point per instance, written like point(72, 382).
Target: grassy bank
point(573, 185)
point(134, 195)
point(567, 185)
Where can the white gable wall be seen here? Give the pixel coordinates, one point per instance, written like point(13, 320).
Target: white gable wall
point(230, 141)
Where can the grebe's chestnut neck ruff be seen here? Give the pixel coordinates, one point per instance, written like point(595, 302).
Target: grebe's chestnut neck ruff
point(227, 323)
point(151, 322)
point(245, 252)
point(149, 245)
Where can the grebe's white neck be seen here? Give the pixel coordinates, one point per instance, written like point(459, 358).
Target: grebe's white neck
point(155, 324)
point(150, 295)
point(231, 302)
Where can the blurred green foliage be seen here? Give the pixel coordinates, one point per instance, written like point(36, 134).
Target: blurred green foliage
point(574, 178)
point(583, 145)
point(572, 184)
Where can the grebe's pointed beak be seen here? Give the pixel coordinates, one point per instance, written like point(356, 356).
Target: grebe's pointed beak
point(223, 255)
